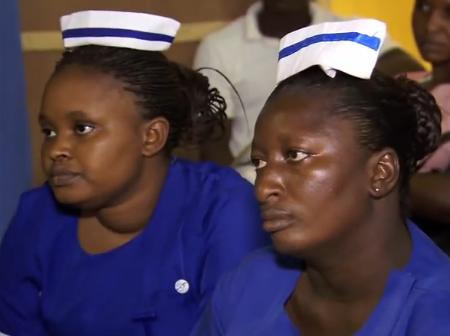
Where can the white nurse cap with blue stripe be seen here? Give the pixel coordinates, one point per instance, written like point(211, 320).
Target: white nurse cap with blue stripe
point(118, 29)
point(348, 46)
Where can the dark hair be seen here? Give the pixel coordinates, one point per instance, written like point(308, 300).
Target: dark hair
point(163, 88)
point(388, 112)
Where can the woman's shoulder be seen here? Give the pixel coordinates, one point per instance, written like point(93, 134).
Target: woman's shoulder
point(37, 211)
point(258, 287)
point(36, 200)
point(430, 314)
point(212, 176)
point(262, 273)
point(268, 260)
point(215, 197)
point(39, 194)
point(430, 266)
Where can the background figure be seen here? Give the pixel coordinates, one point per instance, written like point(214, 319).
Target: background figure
point(246, 52)
point(430, 190)
point(123, 238)
point(15, 165)
point(431, 26)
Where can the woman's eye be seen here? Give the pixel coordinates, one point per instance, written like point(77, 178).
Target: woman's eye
point(83, 129)
point(258, 163)
point(48, 133)
point(296, 156)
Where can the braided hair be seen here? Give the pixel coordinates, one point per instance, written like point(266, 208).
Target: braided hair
point(194, 110)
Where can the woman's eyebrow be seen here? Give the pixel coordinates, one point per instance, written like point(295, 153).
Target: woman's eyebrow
point(76, 114)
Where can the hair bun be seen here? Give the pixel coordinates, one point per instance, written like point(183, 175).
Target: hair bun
point(428, 119)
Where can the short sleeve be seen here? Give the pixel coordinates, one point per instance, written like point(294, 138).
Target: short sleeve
point(19, 280)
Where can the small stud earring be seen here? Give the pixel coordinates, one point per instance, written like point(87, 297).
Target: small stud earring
point(377, 189)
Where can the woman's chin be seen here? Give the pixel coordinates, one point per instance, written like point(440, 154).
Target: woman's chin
point(71, 198)
point(286, 244)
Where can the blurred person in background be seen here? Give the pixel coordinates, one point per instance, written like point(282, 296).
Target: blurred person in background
point(430, 189)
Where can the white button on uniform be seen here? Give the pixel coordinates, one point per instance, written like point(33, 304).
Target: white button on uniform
point(182, 286)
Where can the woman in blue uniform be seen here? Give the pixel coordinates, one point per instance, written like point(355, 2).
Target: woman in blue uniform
point(124, 239)
point(334, 148)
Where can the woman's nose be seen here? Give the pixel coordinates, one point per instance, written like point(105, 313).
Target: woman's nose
point(268, 183)
point(58, 148)
point(435, 21)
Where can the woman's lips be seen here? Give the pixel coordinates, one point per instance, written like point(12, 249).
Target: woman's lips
point(275, 220)
point(63, 179)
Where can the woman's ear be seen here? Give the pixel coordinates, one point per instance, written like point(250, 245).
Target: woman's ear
point(384, 172)
point(154, 136)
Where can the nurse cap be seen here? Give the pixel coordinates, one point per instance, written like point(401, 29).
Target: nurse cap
point(348, 46)
point(118, 29)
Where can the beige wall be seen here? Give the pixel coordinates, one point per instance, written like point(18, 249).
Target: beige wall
point(43, 15)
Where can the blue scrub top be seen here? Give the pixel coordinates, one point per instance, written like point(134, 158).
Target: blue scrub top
point(250, 301)
point(205, 221)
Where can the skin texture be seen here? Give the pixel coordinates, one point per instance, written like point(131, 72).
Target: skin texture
point(332, 203)
point(100, 156)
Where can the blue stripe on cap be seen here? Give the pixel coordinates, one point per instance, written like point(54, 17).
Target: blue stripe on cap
point(363, 39)
point(116, 32)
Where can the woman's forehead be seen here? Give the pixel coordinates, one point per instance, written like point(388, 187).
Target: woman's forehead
point(318, 102)
point(297, 115)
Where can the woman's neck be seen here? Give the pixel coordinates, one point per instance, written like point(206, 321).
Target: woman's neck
point(103, 230)
point(338, 292)
point(359, 265)
point(132, 212)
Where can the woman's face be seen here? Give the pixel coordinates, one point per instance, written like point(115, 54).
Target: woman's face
point(312, 175)
point(92, 149)
point(431, 25)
